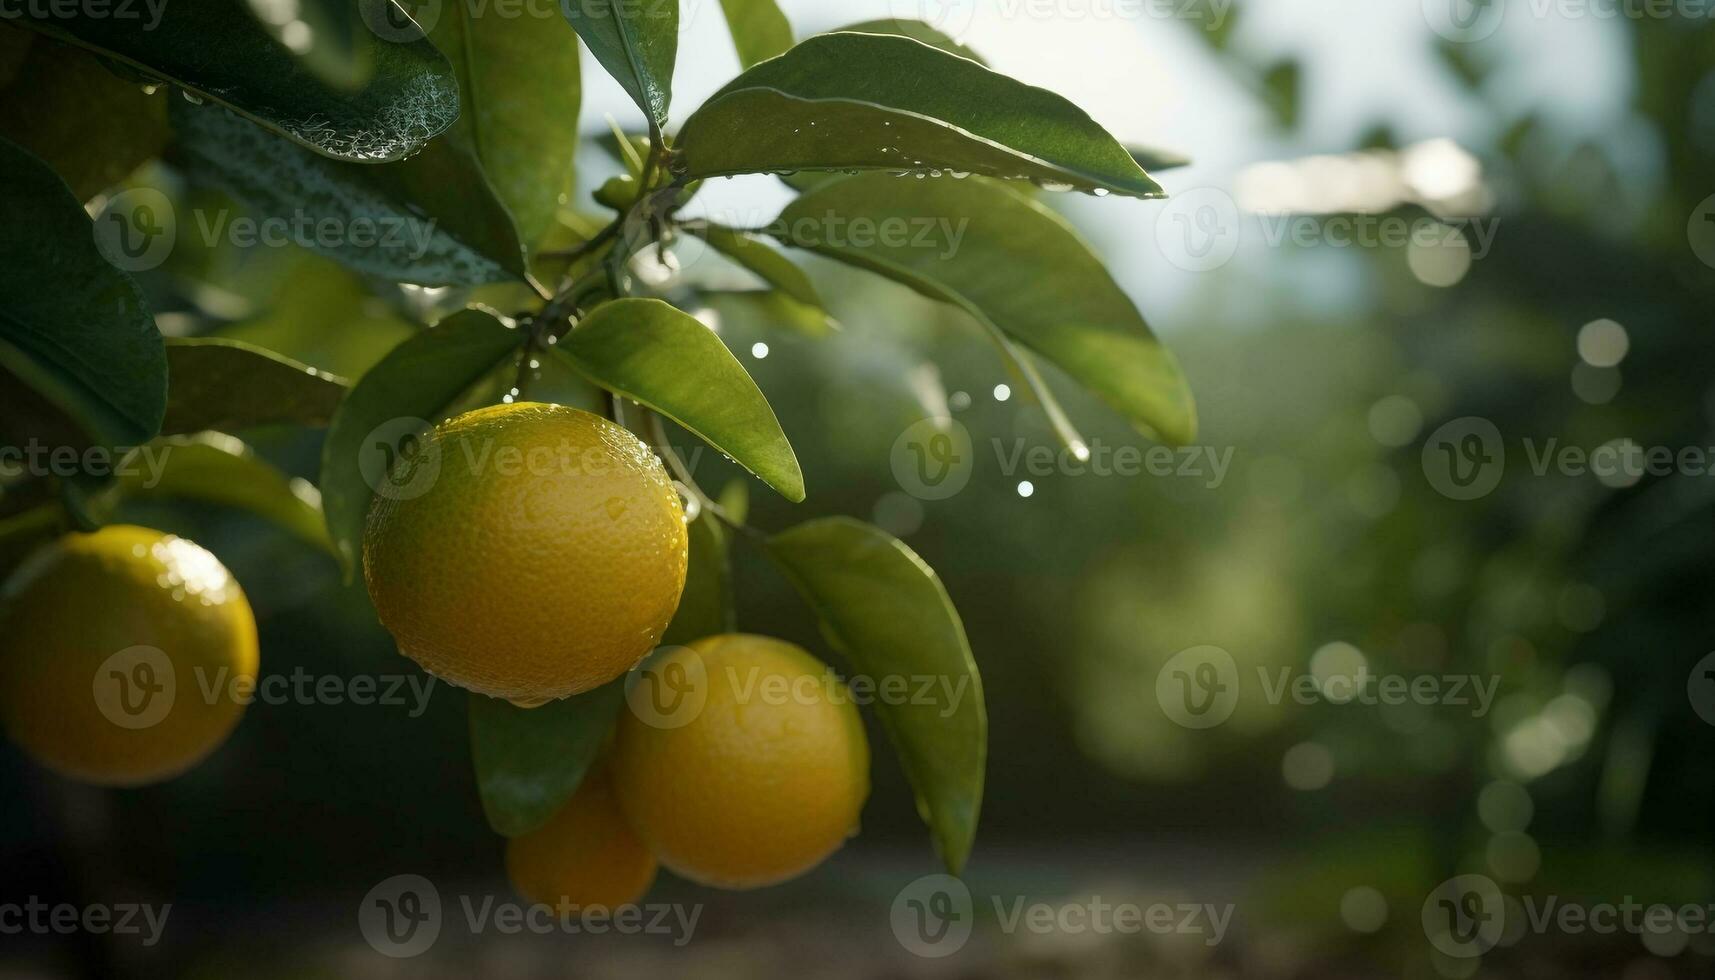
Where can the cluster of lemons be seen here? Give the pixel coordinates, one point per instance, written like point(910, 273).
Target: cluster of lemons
point(530, 584)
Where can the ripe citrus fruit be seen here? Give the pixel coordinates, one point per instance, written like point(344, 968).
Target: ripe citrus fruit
point(113, 642)
point(544, 560)
point(585, 855)
point(746, 765)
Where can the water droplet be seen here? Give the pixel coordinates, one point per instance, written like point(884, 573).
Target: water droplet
point(191, 97)
point(615, 507)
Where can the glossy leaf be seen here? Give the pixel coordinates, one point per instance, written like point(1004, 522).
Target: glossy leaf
point(637, 42)
point(529, 761)
point(1068, 308)
point(1021, 364)
point(771, 309)
point(917, 31)
point(764, 261)
point(221, 53)
point(1153, 160)
point(759, 30)
point(431, 220)
point(883, 102)
point(521, 92)
point(658, 356)
point(706, 605)
point(88, 124)
point(214, 468)
point(73, 328)
point(227, 384)
point(888, 614)
point(418, 380)
point(328, 37)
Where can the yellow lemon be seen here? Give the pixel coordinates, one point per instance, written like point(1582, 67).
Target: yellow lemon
point(119, 651)
point(586, 855)
point(742, 761)
point(544, 558)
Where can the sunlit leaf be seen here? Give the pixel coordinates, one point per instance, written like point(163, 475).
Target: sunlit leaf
point(887, 612)
point(916, 30)
point(764, 261)
point(759, 30)
point(214, 468)
point(1068, 308)
point(637, 42)
point(884, 102)
point(521, 91)
point(658, 356)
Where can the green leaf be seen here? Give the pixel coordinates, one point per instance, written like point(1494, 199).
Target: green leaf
point(521, 89)
point(72, 327)
point(653, 354)
point(221, 53)
point(864, 102)
point(88, 124)
point(227, 384)
point(432, 220)
point(1153, 159)
point(1279, 87)
point(416, 382)
point(214, 468)
point(887, 612)
point(1019, 268)
point(770, 308)
point(529, 761)
point(1022, 366)
point(328, 37)
point(917, 31)
point(706, 605)
point(759, 30)
point(637, 42)
point(762, 259)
